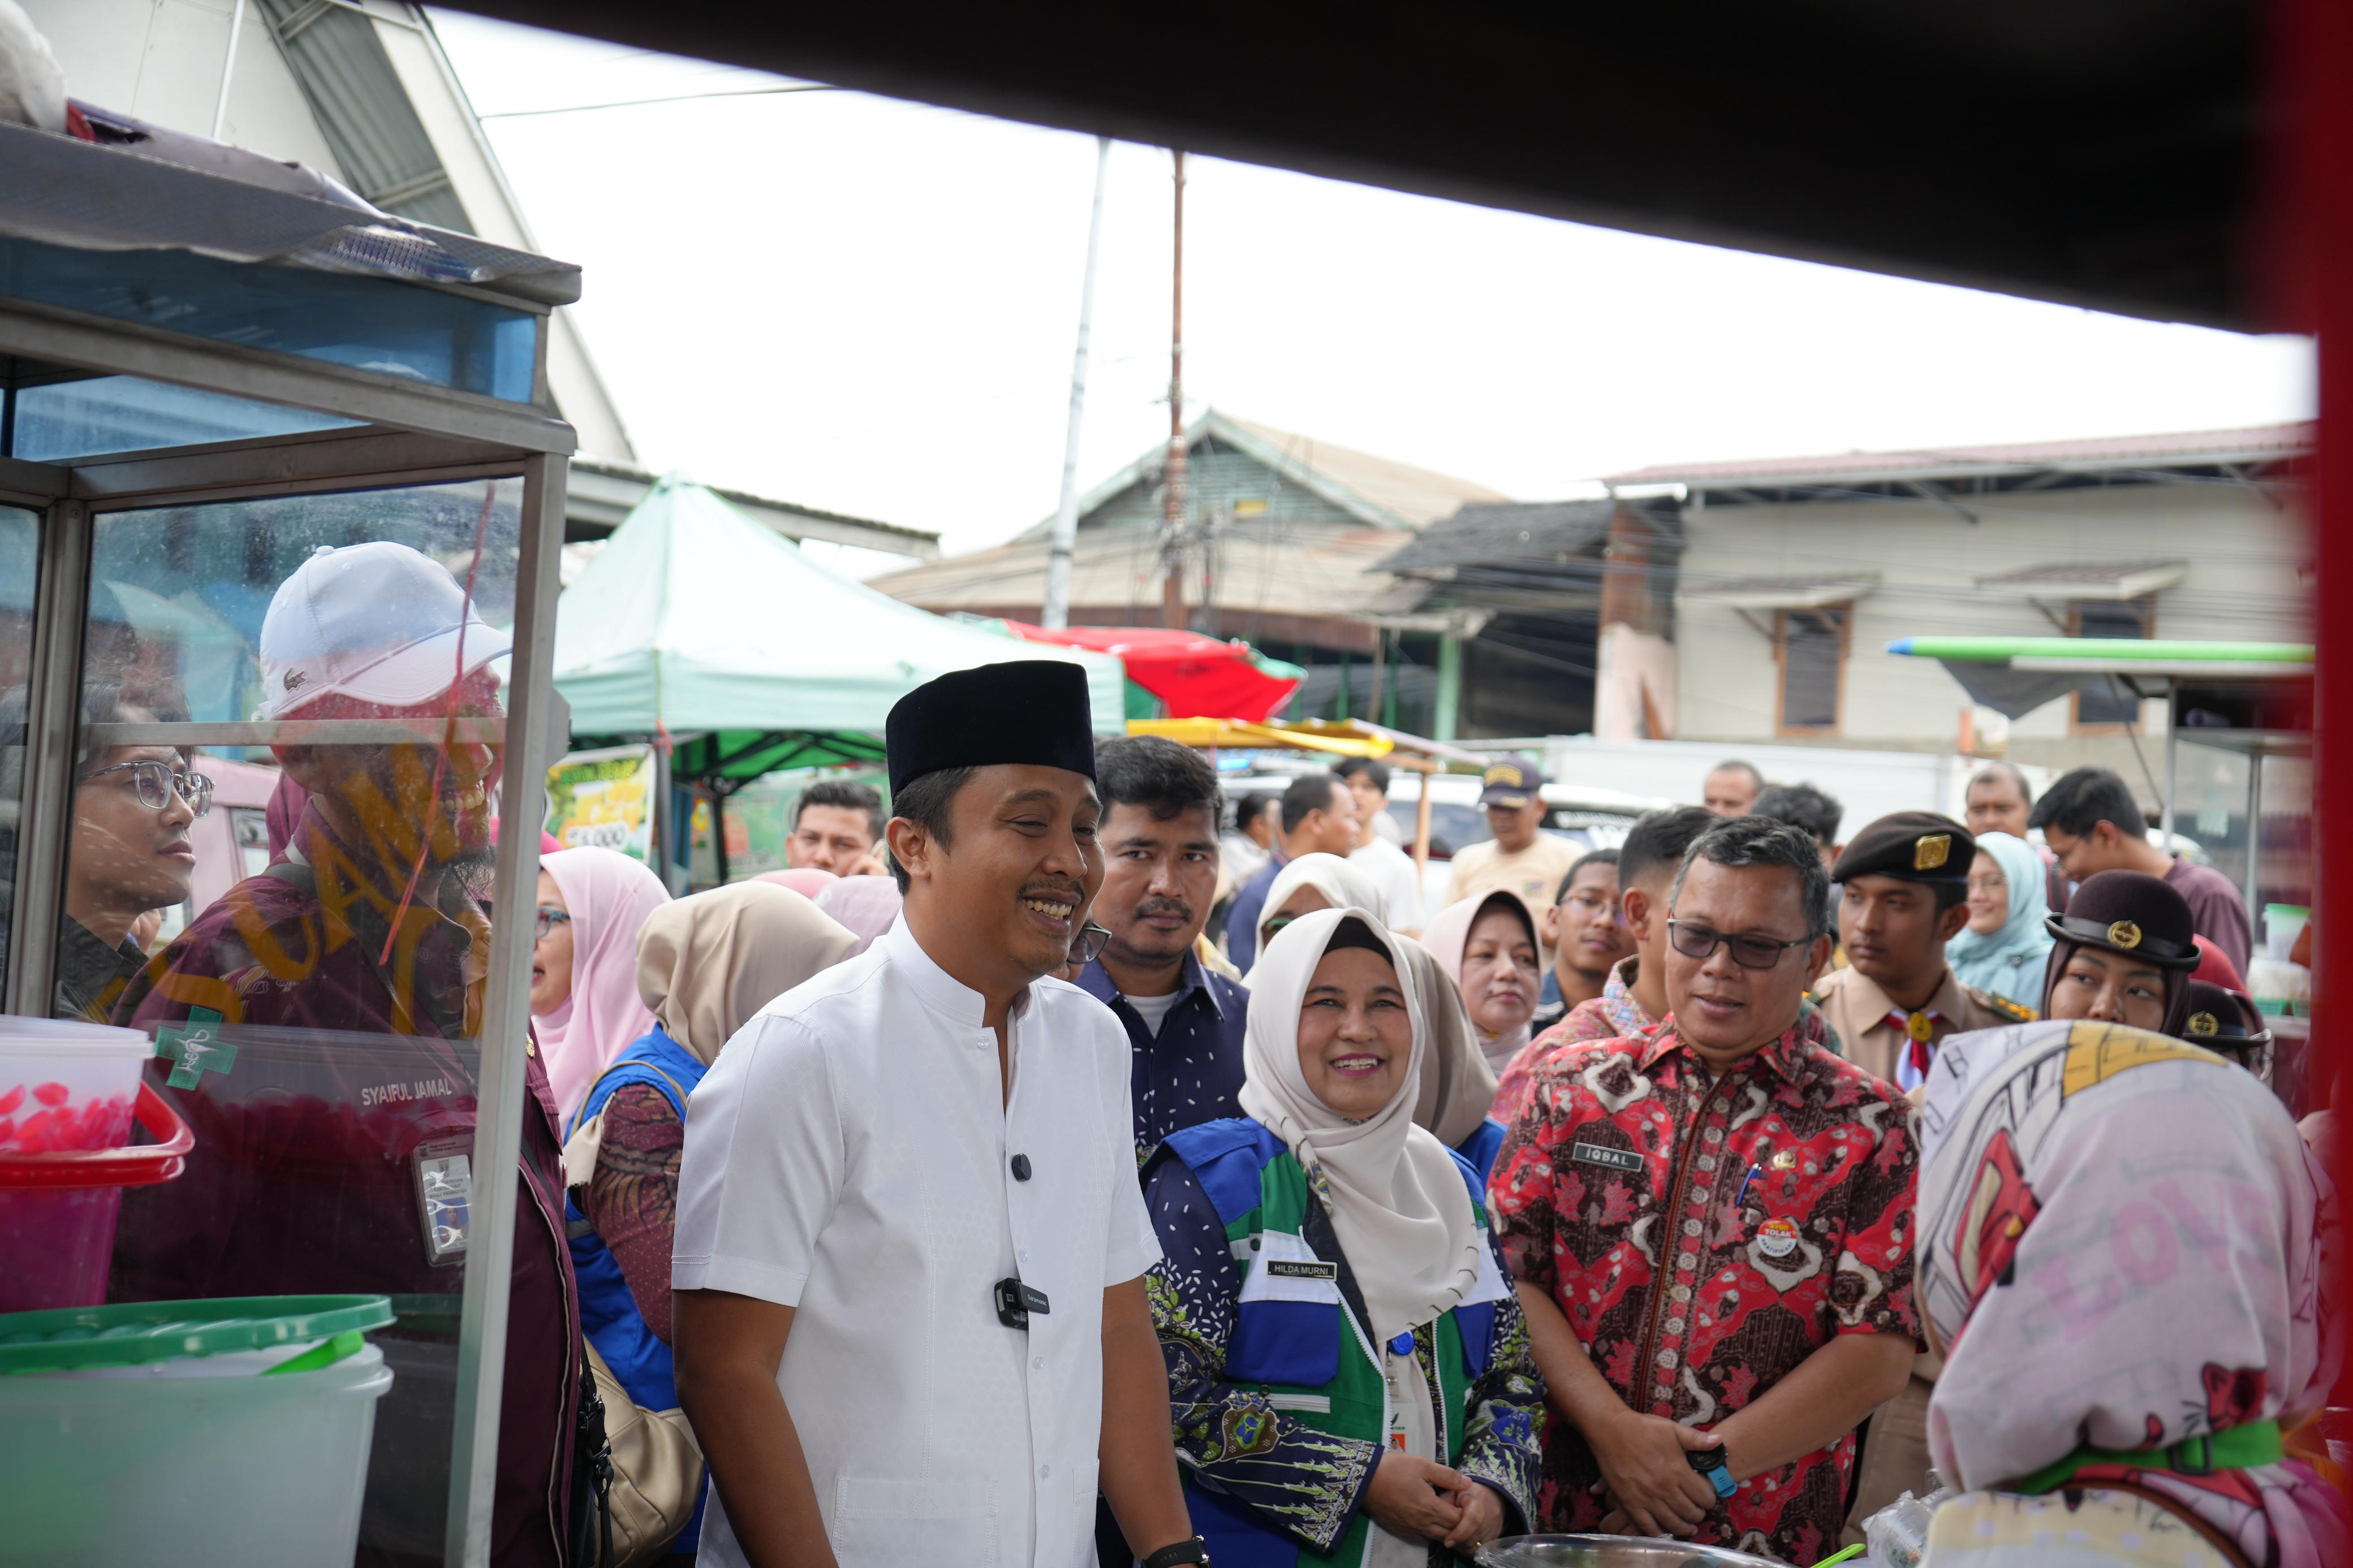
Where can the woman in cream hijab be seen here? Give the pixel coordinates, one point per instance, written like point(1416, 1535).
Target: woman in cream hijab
point(706, 965)
point(1309, 883)
point(1348, 1370)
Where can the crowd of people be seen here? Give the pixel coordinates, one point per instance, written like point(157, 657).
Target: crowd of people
point(959, 1195)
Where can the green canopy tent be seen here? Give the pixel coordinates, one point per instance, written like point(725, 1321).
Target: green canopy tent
point(2252, 698)
point(697, 627)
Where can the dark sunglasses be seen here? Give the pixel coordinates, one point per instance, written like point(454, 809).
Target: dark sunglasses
point(1749, 952)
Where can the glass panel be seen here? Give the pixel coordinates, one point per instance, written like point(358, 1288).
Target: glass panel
point(1813, 646)
point(371, 323)
point(20, 572)
point(2096, 619)
point(125, 414)
point(316, 1020)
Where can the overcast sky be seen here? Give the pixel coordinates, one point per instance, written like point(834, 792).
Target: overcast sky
point(869, 306)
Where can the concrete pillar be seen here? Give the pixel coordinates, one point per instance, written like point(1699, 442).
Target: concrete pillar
point(1449, 686)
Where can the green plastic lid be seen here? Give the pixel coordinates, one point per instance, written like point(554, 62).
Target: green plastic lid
point(132, 1334)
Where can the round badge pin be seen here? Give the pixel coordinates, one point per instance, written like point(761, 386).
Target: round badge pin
point(1777, 1238)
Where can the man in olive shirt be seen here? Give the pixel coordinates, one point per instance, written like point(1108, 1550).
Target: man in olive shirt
point(1902, 883)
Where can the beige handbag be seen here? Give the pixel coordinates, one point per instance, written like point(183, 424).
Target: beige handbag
point(657, 1464)
point(657, 1472)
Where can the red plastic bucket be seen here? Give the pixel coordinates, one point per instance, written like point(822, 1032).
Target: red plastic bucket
point(57, 1210)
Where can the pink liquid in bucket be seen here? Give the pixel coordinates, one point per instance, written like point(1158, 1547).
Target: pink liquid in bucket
point(69, 1094)
point(56, 1246)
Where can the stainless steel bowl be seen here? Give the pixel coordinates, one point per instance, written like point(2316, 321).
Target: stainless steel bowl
point(1609, 1552)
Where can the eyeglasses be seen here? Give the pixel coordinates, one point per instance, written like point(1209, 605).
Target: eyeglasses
point(1749, 952)
point(158, 783)
point(1087, 945)
point(550, 917)
point(1995, 883)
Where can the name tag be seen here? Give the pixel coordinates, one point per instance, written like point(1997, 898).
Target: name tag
point(1298, 1268)
point(1608, 1158)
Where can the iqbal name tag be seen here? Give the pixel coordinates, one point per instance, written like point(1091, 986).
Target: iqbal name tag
point(1301, 1268)
point(1603, 1155)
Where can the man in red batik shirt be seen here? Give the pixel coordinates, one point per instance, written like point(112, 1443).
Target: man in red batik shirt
point(1709, 1228)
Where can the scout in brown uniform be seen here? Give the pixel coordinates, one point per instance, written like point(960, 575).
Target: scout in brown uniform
point(1902, 883)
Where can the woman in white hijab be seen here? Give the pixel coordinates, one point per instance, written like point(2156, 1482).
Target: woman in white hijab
point(1348, 1371)
point(1309, 883)
point(1489, 945)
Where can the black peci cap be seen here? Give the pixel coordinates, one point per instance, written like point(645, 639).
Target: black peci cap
point(2130, 913)
point(1029, 711)
point(1911, 847)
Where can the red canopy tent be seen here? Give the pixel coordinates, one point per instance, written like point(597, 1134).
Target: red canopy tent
point(1197, 677)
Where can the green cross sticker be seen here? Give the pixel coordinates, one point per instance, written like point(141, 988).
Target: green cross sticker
point(194, 1048)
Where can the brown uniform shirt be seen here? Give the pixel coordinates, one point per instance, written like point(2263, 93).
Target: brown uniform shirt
point(1869, 1024)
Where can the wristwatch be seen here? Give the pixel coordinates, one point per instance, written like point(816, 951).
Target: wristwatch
point(1710, 1464)
point(1193, 1549)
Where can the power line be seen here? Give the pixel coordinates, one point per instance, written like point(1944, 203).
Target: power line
point(641, 102)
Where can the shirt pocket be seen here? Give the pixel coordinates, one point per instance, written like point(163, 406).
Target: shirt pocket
point(1287, 1320)
point(890, 1520)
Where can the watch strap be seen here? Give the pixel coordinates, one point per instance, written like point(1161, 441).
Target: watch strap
point(1193, 1549)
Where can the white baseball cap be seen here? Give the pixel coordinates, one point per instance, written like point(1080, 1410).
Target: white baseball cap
point(379, 622)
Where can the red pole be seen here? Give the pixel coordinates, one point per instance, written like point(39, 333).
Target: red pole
point(2314, 76)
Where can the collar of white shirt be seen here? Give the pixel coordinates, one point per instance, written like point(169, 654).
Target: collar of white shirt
point(941, 991)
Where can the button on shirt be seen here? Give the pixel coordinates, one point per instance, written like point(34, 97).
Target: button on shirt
point(850, 1156)
point(1187, 1068)
point(1704, 1237)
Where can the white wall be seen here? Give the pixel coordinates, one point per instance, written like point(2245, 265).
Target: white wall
point(2243, 551)
point(160, 60)
point(1868, 784)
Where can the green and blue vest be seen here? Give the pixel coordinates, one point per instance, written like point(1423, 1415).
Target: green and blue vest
point(1297, 1340)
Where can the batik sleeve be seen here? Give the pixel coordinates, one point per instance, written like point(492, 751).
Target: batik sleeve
point(1872, 1293)
point(1504, 1448)
point(633, 1199)
point(1520, 1189)
point(1306, 1483)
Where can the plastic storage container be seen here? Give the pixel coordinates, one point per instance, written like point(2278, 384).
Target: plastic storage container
point(66, 1085)
point(126, 1438)
point(57, 1210)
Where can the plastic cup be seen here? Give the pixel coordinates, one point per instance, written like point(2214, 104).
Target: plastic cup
point(66, 1085)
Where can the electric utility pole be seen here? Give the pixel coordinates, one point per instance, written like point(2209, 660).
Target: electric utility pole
point(1056, 614)
point(1173, 528)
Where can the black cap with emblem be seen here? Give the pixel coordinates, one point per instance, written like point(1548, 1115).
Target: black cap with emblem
point(1911, 847)
point(2227, 1023)
point(2131, 913)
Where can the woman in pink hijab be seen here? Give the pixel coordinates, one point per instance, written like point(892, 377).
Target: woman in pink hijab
point(867, 905)
point(584, 966)
point(808, 881)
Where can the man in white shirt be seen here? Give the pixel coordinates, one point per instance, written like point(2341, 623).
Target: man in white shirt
point(911, 1317)
point(1376, 854)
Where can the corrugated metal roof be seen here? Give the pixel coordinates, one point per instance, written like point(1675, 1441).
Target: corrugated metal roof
point(2258, 443)
point(1378, 492)
point(1510, 534)
point(364, 110)
point(1293, 569)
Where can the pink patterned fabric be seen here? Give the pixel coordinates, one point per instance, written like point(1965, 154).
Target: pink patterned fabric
point(2132, 1228)
point(609, 896)
point(1612, 1016)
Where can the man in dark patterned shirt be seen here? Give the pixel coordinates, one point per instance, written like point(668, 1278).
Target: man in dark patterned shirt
point(1184, 1021)
point(1710, 1227)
